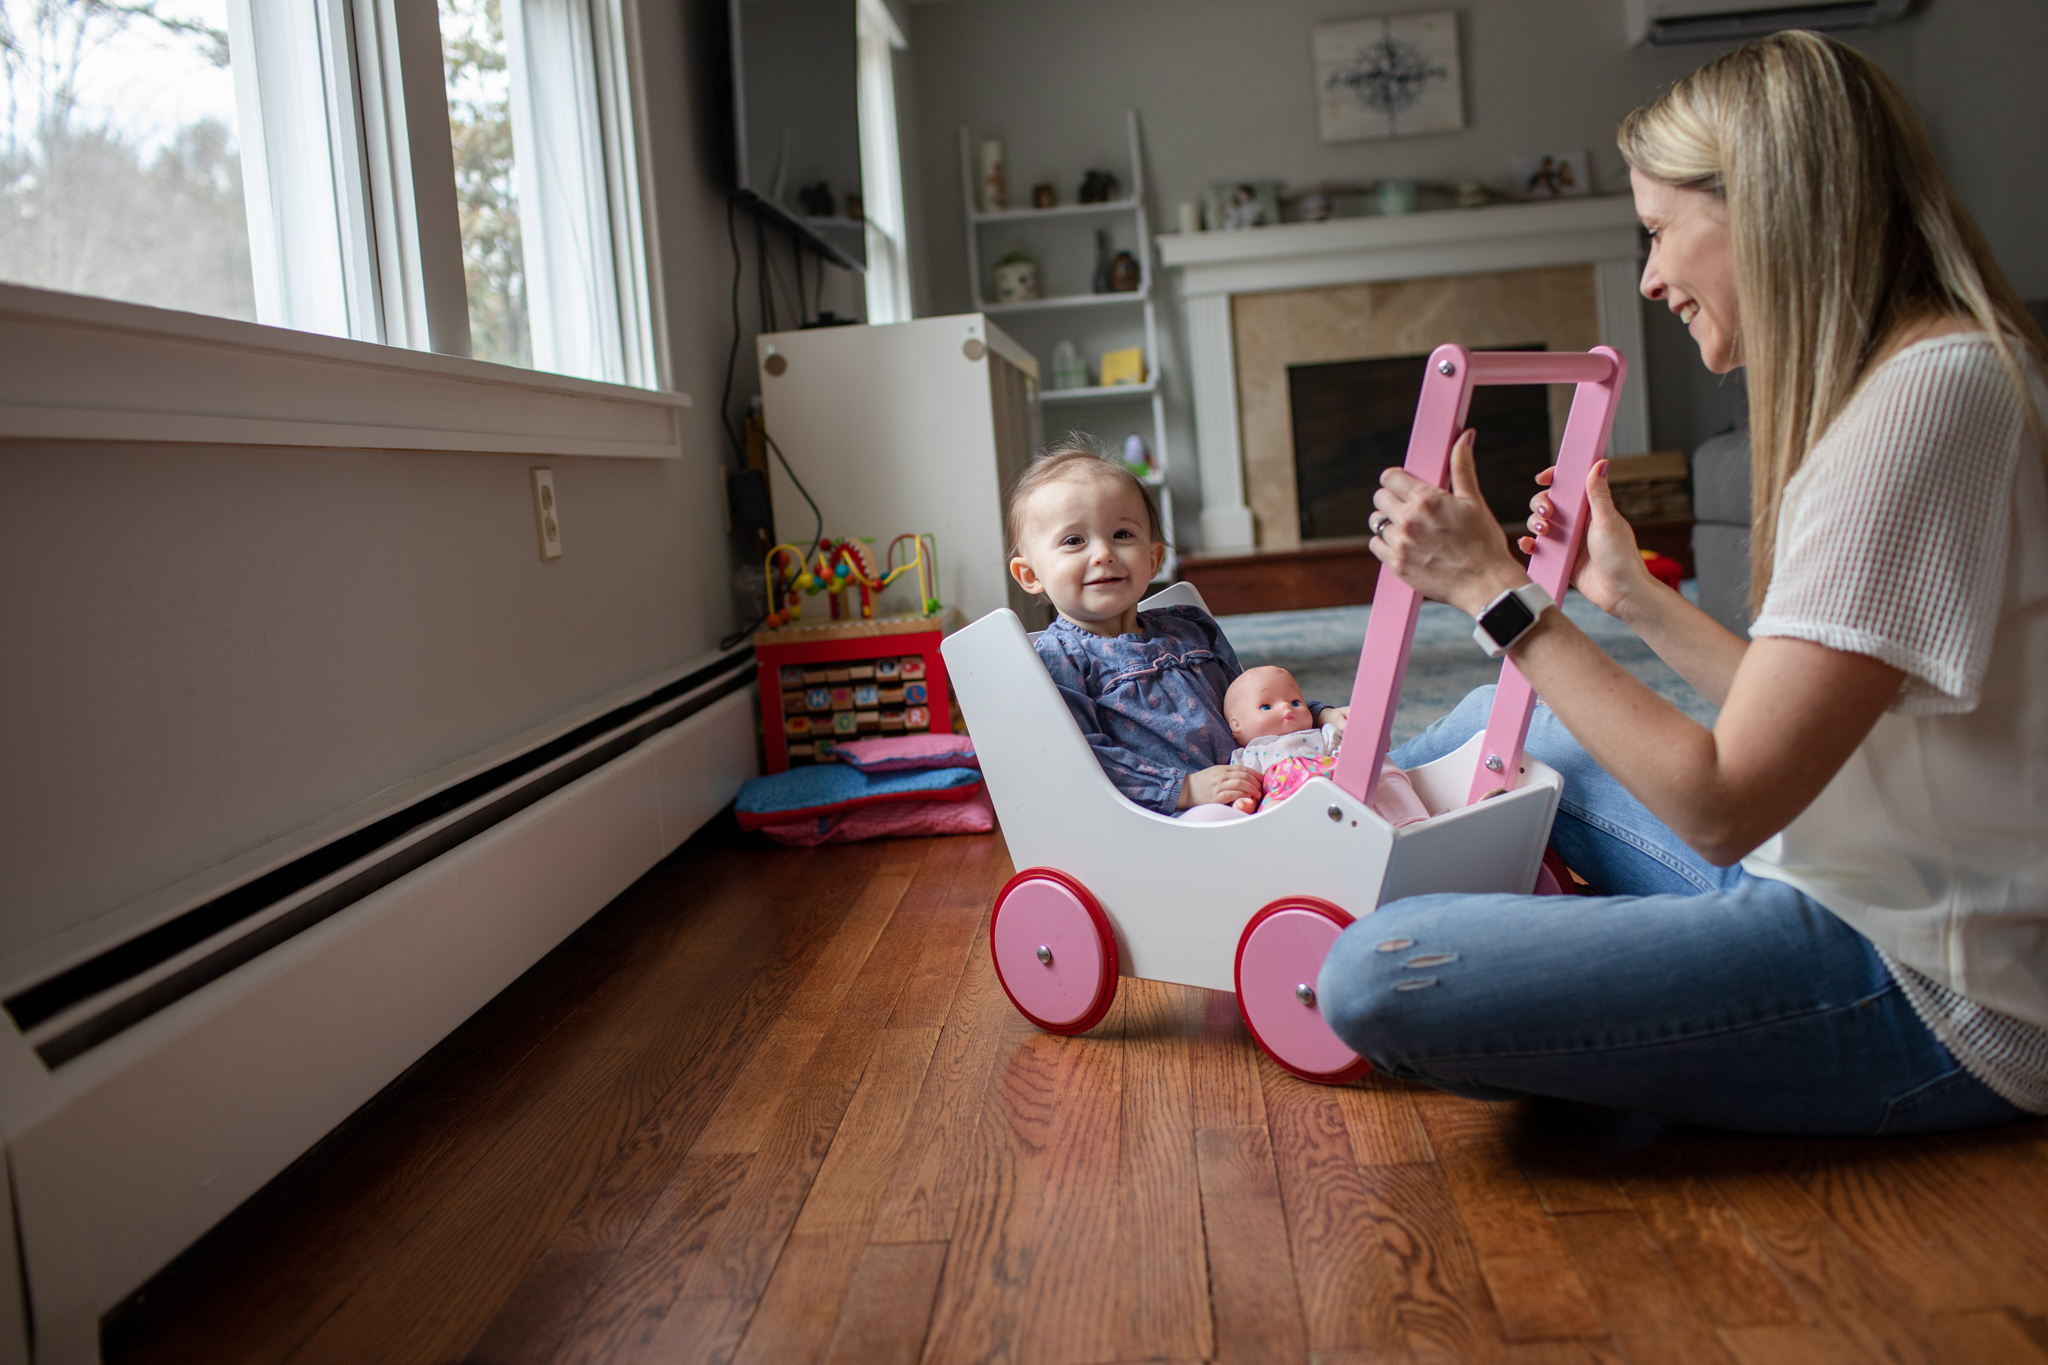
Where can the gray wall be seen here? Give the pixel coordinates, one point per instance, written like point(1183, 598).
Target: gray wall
point(1222, 87)
point(206, 648)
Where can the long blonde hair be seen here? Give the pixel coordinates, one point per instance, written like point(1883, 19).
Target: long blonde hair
point(1844, 231)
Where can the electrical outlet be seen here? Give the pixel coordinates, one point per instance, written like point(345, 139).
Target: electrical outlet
point(546, 515)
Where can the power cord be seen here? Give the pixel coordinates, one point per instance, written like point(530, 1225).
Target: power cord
point(817, 534)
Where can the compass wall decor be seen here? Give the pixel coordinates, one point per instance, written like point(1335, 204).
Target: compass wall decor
point(1391, 76)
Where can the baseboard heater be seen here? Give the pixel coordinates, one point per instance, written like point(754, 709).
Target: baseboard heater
point(152, 1082)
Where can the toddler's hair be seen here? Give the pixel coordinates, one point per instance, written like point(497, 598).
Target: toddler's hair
point(1074, 454)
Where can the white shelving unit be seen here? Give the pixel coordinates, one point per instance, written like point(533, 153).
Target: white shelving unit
point(1094, 320)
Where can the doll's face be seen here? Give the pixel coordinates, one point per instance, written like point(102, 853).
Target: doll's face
point(1265, 701)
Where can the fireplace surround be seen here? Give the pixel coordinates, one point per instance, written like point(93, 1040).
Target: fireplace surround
point(1560, 273)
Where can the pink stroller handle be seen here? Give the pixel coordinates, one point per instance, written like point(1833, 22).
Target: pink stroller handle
point(1390, 631)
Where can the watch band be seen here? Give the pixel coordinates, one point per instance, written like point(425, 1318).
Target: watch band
point(1510, 616)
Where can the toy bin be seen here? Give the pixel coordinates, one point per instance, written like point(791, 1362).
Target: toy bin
point(825, 683)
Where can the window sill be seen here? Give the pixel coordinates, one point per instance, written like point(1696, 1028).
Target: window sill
point(88, 369)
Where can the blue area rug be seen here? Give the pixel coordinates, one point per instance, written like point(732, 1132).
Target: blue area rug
point(1321, 649)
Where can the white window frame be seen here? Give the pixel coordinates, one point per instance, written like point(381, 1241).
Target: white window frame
point(350, 178)
point(881, 165)
point(376, 357)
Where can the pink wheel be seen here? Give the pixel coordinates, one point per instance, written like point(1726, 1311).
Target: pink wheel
point(1278, 958)
point(1054, 951)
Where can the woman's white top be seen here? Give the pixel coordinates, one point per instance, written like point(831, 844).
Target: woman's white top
point(1916, 533)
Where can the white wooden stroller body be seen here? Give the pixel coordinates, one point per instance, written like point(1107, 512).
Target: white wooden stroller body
point(1106, 887)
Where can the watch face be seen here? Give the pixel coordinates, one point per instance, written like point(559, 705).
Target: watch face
point(1507, 619)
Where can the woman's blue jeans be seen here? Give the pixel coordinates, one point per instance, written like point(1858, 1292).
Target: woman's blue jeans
point(1692, 993)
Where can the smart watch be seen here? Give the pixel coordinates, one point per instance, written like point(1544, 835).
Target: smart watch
point(1509, 617)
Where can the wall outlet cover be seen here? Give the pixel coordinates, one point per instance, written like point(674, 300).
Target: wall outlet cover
point(546, 514)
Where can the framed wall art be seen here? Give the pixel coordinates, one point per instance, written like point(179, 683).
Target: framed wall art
point(1393, 76)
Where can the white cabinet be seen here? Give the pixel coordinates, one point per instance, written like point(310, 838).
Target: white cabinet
point(909, 427)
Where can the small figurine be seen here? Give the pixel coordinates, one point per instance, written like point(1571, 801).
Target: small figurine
point(1098, 187)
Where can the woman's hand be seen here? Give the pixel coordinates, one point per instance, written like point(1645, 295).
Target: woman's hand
point(1610, 569)
point(1444, 545)
point(1225, 784)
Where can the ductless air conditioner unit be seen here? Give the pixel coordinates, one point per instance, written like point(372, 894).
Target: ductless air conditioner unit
point(1661, 23)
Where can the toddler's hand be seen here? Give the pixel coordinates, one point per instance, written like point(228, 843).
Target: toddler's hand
point(1334, 715)
point(1225, 784)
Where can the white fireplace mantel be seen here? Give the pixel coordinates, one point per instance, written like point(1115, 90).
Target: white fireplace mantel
point(1601, 232)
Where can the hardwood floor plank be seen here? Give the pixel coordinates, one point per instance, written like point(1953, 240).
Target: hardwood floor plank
point(629, 1296)
point(1346, 1277)
point(689, 1332)
point(1996, 1335)
point(1441, 1299)
point(443, 1283)
point(1031, 1274)
point(740, 1122)
point(766, 1205)
point(1535, 1289)
point(1078, 1277)
point(1225, 1065)
point(1569, 1353)
point(1726, 1275)
point(883, 1317)
point(850, 1185)
point(1565, 1151)
point(797, 1310)
point(1256, 1306)
point(745, 1234)
point(1638, 1292)
point(1950, 1240)
point(1160, 1268)
point(500, 1220)
point(1386, 1127)
point(1791, 1343)
point(923, 1198)
point(1838, 1289)
point(815, 1267)
point(962, 876)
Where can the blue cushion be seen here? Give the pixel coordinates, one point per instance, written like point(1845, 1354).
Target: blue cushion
point(826, 787)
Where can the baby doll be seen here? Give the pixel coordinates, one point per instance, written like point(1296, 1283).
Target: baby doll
point(1281, 741)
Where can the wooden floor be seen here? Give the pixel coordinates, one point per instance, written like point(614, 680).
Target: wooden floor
point(772, 1106)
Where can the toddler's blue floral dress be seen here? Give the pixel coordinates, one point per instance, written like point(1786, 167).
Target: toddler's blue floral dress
point(1150, 704)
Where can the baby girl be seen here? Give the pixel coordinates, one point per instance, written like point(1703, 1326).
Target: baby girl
point(1282, 742)
point(1146, 688)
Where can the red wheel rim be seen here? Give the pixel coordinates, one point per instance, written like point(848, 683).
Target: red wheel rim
point(1342, 919)
point(1105, 988)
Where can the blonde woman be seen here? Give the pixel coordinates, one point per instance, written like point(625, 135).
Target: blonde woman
point(1828, 913)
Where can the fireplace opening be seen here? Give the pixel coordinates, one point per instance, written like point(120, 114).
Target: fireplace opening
point(1352, 419)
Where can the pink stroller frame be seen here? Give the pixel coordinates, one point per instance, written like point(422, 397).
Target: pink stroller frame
point(1108, 888)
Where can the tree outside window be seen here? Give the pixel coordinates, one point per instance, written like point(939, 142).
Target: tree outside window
point(480, 124)
point(120, 173)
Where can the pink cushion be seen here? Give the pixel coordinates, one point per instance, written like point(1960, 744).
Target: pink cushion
point(902, 753)
point(891, 820)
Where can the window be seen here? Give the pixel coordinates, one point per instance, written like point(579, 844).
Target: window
point(881, 166)
point(449, 175)
point(120, 167)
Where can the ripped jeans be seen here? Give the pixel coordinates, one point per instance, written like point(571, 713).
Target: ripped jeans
point(1692, 993)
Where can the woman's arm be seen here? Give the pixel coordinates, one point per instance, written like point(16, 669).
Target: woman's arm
point(1612, 576)
point(1793, 713)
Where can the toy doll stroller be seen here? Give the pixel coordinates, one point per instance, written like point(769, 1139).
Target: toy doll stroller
point(1108, 887)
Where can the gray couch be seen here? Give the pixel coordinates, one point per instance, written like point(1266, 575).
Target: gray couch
point(1720, 533)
